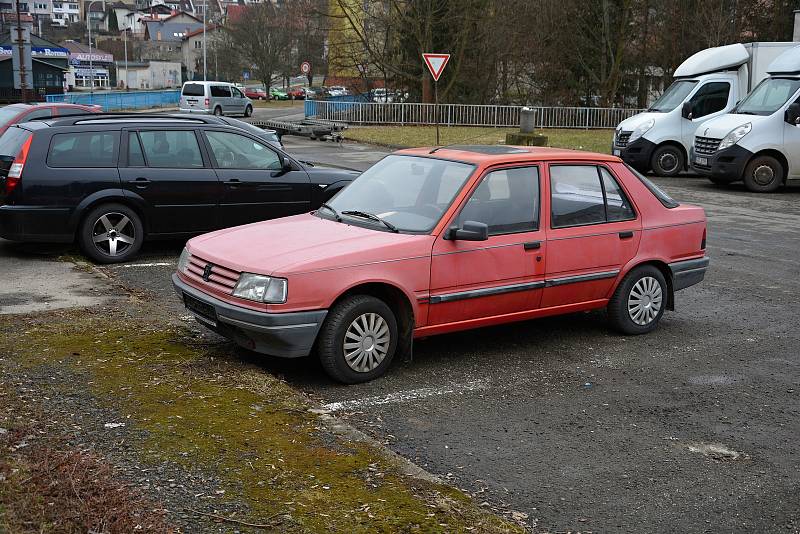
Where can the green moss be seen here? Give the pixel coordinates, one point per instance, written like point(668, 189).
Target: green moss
point(198, 408)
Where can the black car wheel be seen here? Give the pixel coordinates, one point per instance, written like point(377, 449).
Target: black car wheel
point(764, 174)
point(111, 233)
point(667, 160)
point(358, 339)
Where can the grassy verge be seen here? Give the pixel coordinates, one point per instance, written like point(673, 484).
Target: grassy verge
point(208, 410)
point(412, 136)
point(278, 104)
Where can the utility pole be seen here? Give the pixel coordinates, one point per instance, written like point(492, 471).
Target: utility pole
point(125, 40)
point(23, 81)
point(205, 68)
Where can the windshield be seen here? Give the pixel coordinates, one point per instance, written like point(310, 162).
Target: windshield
point(673, 96)
point(409, 192)
point(769, 96)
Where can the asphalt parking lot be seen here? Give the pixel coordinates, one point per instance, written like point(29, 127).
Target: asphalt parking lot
point(692, 428)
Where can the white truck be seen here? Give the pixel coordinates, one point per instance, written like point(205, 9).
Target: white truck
point(759, 140)
point(707, 85)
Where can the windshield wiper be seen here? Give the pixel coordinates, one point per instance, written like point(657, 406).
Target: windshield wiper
point(745, 112)
point(371, 216)
point(335, 213)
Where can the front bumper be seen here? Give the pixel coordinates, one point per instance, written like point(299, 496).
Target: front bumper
point(287, 335)
point(637, 154)
point(723, 165)
point(688, 272)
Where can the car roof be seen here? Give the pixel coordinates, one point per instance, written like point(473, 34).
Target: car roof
point(492, 154)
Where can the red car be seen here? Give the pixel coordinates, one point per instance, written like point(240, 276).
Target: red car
point(431, 241)
point(17, 113)
point(255, 94)
point(297, 93)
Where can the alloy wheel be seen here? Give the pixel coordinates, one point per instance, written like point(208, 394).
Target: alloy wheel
point(366, 342)
point(644, 301)
point(113, 234)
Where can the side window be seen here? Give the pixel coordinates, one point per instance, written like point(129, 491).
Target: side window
point(85, 149)
point(234, 151)
point(177, 149)
point(44, 113)
point(506, 200)
point(585, 194)
point(710, 98)
point(237, 93)
point(618, 207)
point(220, 90)
point(135, 154)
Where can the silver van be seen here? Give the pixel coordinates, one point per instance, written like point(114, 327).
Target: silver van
point(219, 98)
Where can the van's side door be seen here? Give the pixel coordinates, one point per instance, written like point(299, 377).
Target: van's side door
point(168, 171)
point(238, 100)
point(255, 186)
point(221, 96)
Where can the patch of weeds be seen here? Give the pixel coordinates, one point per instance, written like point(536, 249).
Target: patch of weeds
point(250, 429)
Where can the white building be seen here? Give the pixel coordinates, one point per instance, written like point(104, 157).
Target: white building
point(65, 12)
point(149, 74)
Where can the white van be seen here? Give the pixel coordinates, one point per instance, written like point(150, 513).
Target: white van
point(758, 142)
point(219, 98)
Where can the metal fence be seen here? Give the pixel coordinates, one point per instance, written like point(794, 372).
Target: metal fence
point(464, 114)
point(114, 100)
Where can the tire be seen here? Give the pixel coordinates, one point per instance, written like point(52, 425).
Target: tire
point(248, 111)
point(102, 230)
point(667, 160)
point(633, 316)
point(764, 174)
point(218, 111)
point(342, 325)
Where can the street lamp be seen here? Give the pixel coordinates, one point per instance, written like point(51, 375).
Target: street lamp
point(91, 65)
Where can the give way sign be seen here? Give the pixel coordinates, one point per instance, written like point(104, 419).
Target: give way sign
point(436, 64)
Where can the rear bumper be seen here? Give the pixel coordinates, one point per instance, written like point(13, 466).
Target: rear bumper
point(638, 154)
point(200, 111)
point(688, 273)
point(724, 165)
point(287, 335)
point(35, 224)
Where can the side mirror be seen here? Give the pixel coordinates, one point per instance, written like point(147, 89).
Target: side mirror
point(470, 231)
point(286, 165)
point(686, 110)
point(792, 115)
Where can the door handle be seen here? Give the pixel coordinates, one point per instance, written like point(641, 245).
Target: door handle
point(533, 245)
point(140, 182)
point(233, 182)
point(626, 235)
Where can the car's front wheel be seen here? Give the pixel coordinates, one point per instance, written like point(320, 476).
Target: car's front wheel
point(111, 233)
point(358, 339)
point(639, 301)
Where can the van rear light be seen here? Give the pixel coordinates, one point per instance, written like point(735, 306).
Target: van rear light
point(15, 171)
point(208, 102)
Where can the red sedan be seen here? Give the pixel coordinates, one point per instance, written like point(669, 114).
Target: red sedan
point(297, 93)
point(256, 94)
point(430, 241)
point(17, 113)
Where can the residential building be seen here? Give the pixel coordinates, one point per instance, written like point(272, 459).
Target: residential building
point(192, 50)
point(163, 39)
point(65, 12)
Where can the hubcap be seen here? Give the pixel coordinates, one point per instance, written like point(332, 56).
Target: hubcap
point(668, 161)
point(366, 342)
point(644, 302)
point(113, 234)
point(763, 175)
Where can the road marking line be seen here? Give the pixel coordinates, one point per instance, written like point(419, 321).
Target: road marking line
point(405, 396)
point(156, 264)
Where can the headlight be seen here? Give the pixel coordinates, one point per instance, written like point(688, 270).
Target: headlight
point(183, 261)
point(641, 130)
point(261, 288)
point(735, 135)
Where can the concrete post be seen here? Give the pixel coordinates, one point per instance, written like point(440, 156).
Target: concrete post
point(527, 120)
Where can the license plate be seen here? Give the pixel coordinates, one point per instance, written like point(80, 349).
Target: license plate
point(701, 161)
point(204, 312)
point(616, 152)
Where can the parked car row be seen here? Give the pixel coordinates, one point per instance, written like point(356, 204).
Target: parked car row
point(707, 122)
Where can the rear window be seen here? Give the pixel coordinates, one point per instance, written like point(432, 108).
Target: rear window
point(666, 200)
point(220, 90)
point(194, 89)
point(11, 142)
point(85, 149)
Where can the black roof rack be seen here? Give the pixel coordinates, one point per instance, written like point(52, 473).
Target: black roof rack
point(87, 118)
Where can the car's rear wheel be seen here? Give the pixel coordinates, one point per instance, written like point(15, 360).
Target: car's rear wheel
point(667, 160)
point(639, 301)
point(358, 339)
point(248, 111)
point(218, 111)
point(764, 174)
point(111, 233)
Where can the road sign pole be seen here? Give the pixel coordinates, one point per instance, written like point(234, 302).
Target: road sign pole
point(436, 108)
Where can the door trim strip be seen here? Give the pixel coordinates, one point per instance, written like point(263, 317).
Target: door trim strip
point(581, 278)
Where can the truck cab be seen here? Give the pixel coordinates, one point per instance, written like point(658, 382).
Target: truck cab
point(759, 140)
point(707, 85)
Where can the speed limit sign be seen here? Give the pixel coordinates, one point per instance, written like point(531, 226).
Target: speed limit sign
point(305, 68)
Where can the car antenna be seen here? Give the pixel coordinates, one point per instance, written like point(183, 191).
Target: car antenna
point(440, 147)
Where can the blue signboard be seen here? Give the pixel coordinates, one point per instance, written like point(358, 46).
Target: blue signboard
point(246, 74)
point(37, 51)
